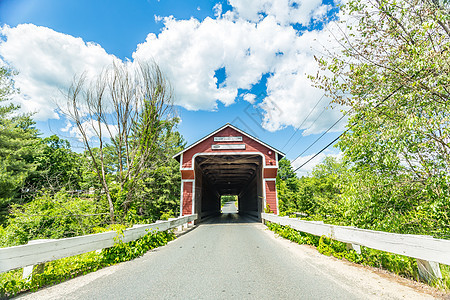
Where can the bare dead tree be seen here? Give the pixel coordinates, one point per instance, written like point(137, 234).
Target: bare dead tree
point(126, 105)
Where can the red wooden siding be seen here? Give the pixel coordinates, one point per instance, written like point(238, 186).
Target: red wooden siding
point(250, 146)
point(271, 195)
point(187, 198)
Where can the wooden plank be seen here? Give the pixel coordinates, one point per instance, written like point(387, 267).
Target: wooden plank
point(304, 226)
point(32, 254)
point(25, 255)
point(416, 246)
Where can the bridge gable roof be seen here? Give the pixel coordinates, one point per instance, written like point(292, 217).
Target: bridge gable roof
point(228, 125)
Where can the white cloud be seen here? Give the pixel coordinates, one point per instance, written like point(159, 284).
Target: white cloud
point(249, 98)
point(189, 52)
point(217, 9)
point(253, 39)
point(285, 12)
point(248, 46)
point(46, 62)
point(91, 130)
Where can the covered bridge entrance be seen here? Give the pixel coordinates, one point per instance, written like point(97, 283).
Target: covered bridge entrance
point(228, 162)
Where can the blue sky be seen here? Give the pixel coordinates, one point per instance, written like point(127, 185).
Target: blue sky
point(236, 61)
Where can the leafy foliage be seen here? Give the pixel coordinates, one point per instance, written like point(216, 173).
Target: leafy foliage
point(47, 191)
point(52, 216)
point(339, 193)
point(131, 107)
point(285, 170)
point(11, 283)
point(228, 198)
point(316, 195)
point(158, 190)
point(18, 144)
point(127, 251)
point(57, 166)
point(398, 264)
point(393, 74)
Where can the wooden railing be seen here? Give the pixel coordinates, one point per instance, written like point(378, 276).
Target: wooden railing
point(427, 250)
point(48, 250)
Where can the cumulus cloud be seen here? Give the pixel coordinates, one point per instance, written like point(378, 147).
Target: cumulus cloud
point(253, 40)
point(285, 12)
point(217, 10)
point(251, 98)
point(190, 51)
point(46, 62)
point(91, 130)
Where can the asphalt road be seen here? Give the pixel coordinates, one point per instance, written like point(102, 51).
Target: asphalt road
point(227, 257)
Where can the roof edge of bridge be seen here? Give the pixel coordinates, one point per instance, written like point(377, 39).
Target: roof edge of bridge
point(177, 156)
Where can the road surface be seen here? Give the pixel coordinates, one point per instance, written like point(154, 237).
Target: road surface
point(231, 257)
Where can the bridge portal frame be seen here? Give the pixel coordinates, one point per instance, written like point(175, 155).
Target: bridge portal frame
point(230, 141)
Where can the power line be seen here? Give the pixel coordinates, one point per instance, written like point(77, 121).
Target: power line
point(295, 132)
point(314, 122)
point(335, 123)
point(323, 149)
point(351, 126)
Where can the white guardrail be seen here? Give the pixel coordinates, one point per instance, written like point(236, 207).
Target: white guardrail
point(45, 251)
point(427, 250)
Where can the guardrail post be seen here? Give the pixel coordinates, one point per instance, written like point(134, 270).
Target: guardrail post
point(429, 270)
point(355, 247)
point(29, 271)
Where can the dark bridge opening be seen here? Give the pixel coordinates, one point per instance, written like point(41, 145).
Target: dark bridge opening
point(218, 175)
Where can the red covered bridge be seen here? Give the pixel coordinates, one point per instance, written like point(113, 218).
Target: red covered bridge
point(228, 161)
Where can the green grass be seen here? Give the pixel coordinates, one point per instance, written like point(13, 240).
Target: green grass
point(398, 264)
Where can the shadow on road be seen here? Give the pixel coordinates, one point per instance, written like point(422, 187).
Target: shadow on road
point(230, 218)
point(230, 215)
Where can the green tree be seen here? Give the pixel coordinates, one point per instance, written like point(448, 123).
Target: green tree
point(18, 147)
point(160, 185)
point(394, 74)
point(127, 106)
point(57, 166)
point(316, 195)
point(52, 215)
point(285, 170)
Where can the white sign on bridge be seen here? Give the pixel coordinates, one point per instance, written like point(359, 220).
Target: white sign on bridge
point(228, 139)
point(228, 147)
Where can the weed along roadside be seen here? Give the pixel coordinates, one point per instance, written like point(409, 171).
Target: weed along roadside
point(52, 272)
point(401, 265)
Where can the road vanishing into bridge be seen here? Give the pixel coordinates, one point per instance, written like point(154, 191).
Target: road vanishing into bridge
point(233, 257)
